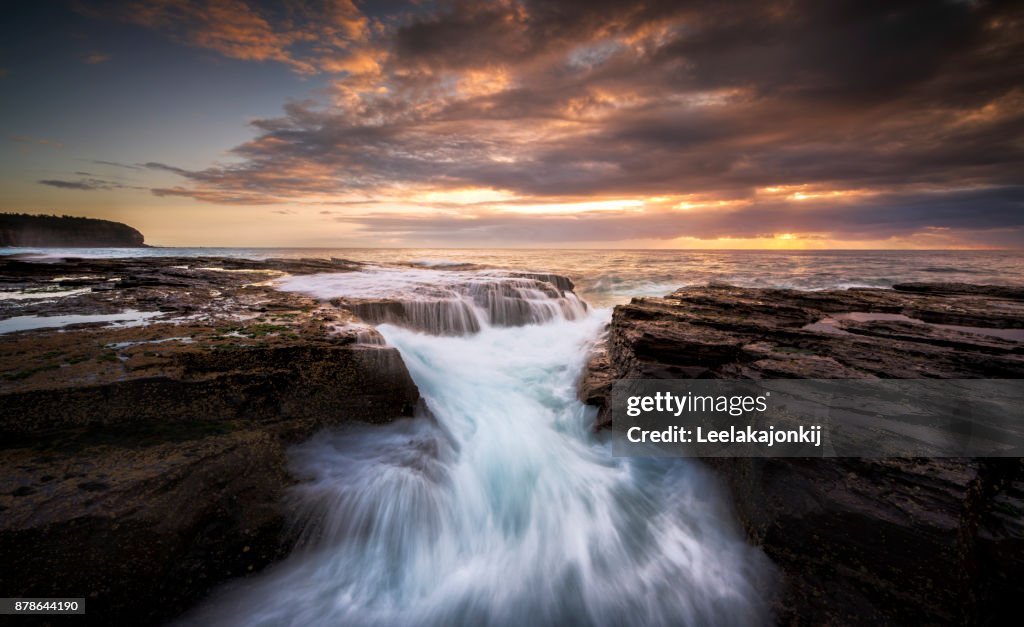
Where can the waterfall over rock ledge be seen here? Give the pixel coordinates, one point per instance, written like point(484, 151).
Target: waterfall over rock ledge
point(447, 302)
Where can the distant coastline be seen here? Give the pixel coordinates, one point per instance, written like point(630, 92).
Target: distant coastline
point(52, 231)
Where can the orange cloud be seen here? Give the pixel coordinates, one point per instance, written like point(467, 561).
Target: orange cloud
point(329, 38)
point(22, 139)
point(654, 121)
point(94, 58)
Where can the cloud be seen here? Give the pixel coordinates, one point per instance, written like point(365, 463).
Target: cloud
point(154, 165)
point(22, 139)
point(309, 37)
point(116, 164)
point(845, 104)
point(94, 58)
point(81, 184)
point(86, 182)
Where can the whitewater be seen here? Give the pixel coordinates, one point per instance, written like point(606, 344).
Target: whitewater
point(497, 505)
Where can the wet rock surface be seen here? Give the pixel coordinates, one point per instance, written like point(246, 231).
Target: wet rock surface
point(144, 459)
point(860, 541)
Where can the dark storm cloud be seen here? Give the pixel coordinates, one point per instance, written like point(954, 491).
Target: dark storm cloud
point(479, 34)
point(914, 100)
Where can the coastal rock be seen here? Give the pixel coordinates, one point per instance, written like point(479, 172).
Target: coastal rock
point(860, 541)
point(144, 460)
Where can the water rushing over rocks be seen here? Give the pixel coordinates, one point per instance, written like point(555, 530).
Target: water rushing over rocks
point(444, 302)
point(501, 507)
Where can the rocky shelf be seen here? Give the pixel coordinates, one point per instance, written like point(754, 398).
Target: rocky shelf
point(859, 541)
point(144, 438)
point(144, 423)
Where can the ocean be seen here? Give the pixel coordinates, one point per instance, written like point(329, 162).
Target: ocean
point(608, 277)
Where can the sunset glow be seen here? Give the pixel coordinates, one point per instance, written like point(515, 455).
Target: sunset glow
point(539, 124)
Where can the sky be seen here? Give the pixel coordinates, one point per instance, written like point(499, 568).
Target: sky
point(547, 123)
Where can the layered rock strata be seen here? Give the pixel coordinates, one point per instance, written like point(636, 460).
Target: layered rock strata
point(144, 453)
point(860, 541)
